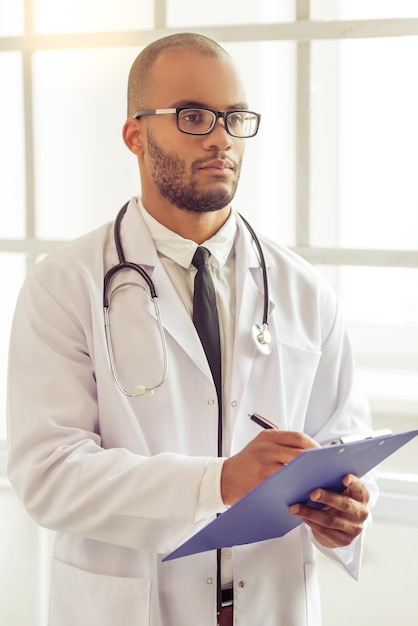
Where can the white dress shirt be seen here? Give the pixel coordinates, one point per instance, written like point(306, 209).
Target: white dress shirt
point(176, 254)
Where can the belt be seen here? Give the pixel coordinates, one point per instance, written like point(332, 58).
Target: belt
point(227, 597)
point(226, 615)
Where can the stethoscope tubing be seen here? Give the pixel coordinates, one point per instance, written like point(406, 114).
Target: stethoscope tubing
point(260, 334)
point(262, 260)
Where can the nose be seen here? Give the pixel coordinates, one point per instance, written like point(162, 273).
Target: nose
point(218, 138)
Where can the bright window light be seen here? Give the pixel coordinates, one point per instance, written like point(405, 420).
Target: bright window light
point(91, 16)
point(83, 170)
point(12, 272)
point(219, 12)
point(12, 187)
point(11, 17)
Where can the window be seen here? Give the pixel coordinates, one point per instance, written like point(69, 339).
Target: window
point(331, 173)
point(363, 205)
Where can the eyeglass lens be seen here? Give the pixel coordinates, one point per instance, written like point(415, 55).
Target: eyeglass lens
point(201, 121)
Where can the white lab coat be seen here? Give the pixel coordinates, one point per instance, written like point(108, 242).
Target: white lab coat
point(119, 478)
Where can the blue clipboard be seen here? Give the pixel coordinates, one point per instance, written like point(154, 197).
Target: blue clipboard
point(263, 513)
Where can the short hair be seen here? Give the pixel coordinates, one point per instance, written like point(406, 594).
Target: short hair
point(140, 75)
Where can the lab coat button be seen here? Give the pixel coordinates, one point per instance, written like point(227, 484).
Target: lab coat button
point(234, 403)
point(209, 581)
point(211, 401)
point(227, 554)
point(241, 584)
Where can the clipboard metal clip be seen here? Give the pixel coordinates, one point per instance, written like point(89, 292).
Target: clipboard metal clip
point(358, 437)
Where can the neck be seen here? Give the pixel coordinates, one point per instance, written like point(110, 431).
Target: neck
point(193, 225)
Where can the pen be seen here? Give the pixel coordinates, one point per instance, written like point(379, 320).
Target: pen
point(265, 423)
point(262, 421)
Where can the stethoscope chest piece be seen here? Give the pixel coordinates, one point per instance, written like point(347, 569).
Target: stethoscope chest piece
point(262, 338)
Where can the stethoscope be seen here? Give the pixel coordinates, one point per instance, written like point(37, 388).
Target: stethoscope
point(260, 333)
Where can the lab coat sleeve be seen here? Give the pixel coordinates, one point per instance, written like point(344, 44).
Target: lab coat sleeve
point(65, 478)
point(337, 394)
point(350, 557)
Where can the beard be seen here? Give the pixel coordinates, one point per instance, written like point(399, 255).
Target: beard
point(169, 173)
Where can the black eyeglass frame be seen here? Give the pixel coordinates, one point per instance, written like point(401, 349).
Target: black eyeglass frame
point(218, 114)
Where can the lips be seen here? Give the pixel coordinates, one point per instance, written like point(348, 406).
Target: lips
point(215, 164)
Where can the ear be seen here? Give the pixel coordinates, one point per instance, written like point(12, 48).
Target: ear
point(132, 135)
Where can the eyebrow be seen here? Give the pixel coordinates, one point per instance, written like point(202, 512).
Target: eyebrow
point(192, 104)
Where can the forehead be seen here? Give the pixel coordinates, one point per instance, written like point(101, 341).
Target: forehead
point(188, 76)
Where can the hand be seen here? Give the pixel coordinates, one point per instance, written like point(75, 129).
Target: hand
point(343, 516)
point(264, 455)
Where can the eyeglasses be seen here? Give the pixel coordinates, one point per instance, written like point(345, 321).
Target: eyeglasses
point(202, 121)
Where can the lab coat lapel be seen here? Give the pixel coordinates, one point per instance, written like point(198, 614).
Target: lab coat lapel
point(139, 247)
point(249, 308)
point(177, 321)
point(265, 371)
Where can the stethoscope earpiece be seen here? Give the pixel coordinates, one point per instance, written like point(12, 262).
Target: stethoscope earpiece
point(262, 338)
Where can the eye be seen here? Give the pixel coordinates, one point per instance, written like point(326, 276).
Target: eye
point(236, 119)
point(192, 117)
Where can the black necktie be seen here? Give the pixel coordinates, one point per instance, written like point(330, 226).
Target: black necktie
point(205, 319)
point(205, 316)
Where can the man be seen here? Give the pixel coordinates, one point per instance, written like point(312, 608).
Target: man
point(123, 474)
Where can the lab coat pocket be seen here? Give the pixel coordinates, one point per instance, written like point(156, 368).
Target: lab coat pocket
point(299, 368)
point(83, 598)
point(313, 601)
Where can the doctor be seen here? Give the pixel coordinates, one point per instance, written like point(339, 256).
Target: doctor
point(125, 477)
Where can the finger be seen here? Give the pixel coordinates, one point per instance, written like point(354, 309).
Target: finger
point(292, 439)
point(330, 527)
point(269, 451)
point(286, 445)
point(342, 503)
point(339, 512)
point(356, 489)
point(329, 518)
point(331, 538)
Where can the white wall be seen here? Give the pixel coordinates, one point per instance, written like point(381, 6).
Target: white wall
point(387, 591)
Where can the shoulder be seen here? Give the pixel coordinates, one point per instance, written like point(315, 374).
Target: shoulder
point(303, 296)
point(70, 277)
point(288, 267)
point(84, 254)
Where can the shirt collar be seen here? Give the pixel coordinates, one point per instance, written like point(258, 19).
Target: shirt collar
point(180, 250)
